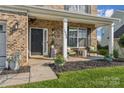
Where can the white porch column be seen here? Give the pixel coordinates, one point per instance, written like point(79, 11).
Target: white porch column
point(111, 39)
point(65, 27)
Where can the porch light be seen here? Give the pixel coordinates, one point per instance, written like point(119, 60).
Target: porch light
point(53, 32)
point(15, 26)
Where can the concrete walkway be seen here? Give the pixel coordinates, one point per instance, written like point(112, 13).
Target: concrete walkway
point(39, 71)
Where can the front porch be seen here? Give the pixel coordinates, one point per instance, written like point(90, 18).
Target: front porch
point(72, 39)
point(44, 34)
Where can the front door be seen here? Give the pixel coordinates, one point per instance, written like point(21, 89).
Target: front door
point(36, 41)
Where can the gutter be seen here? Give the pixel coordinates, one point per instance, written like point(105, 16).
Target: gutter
point(5, 8)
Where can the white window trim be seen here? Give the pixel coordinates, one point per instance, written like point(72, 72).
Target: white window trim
point(45, 53)
point(77, 36)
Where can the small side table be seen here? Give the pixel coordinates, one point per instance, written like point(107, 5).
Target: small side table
point(82, 52)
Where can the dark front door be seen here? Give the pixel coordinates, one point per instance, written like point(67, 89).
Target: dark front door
point(37, 41)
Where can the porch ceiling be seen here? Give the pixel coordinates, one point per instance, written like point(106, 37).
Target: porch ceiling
point(59, 15)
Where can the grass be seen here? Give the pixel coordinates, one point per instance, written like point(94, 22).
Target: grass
point(90, 78)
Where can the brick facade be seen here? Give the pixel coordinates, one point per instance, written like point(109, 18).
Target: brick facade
point(16, 41)
point(94, 10)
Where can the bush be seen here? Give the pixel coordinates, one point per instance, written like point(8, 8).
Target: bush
point(59, 60)
point(103, 52)
point(102, 47)
point(115, 53)
point(121, 41)
point(108, 58)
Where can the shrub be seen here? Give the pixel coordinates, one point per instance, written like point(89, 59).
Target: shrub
point(108, 58)
point(121, 41)
point(115, 53)
point(59, 60)
point(103, 52)
point(101, 47)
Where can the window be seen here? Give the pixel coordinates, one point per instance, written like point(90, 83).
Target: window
point(78, 8)
point(77, 37)
point(73, 37)
point(82, 37)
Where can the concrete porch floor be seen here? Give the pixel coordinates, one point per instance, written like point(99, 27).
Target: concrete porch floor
point(89, 58)
point(39, 71)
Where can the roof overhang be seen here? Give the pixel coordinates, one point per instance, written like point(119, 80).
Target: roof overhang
point(59, 15)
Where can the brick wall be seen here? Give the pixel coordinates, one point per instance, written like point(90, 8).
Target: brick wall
point(16, 41)
point(94, 9)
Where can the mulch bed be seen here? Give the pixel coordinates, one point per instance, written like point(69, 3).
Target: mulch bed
point(73, 66)
point(23, 69)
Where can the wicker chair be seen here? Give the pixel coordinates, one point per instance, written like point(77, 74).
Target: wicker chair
point(71, 52)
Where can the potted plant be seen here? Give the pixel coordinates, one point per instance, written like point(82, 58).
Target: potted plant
point(52, 46)
point(108, 58)
point(59, 60)
point(11, 63)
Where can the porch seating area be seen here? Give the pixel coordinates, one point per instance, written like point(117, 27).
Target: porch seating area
point(82, 52)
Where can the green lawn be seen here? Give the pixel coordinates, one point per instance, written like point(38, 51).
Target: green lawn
point(99, 77)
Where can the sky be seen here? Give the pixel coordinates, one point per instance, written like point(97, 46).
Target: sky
point(107, 10)
point(116, 7)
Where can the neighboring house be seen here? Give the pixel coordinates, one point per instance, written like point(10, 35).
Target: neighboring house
point(117, 35)
point(118, 31)
point(105, 29)
point(29, 30)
